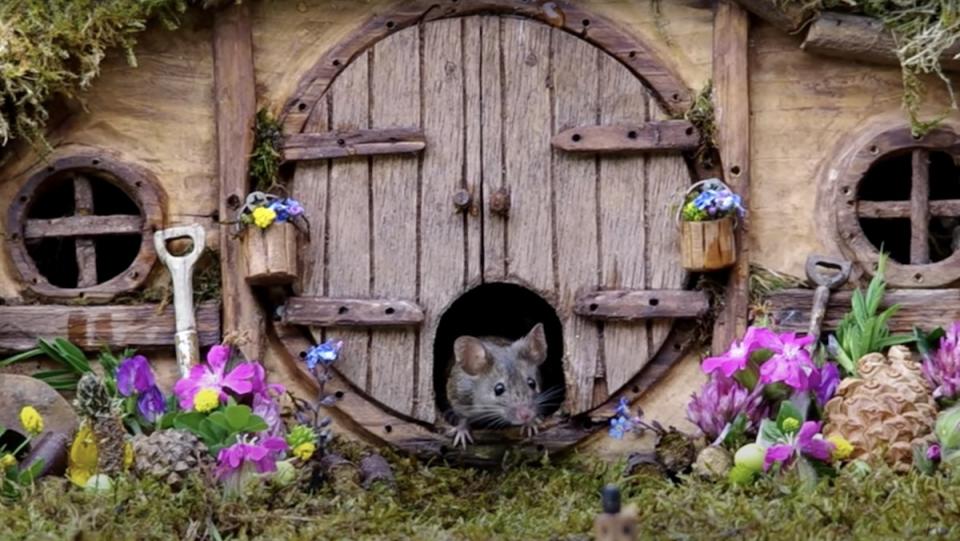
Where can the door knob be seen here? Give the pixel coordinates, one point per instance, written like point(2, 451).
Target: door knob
point(500, 202)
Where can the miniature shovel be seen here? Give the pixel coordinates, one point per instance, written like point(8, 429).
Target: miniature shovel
point(181, 274)
point(825, 281)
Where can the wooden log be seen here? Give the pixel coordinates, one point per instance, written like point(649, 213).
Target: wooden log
point(90, 327)
point(863, 39)
point(339, 144)
point(708, 246)
point(614, 139)
point(86, 226)
point(235, 99)
point(271, 254)
point(903, 209)
point(732, 95)
point(926, 308)
point(340, 312)
point(51, 450)
point(639, 304)
point(787, 16)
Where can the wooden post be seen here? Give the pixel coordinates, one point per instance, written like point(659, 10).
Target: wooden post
point(236, 108)
point(732, 103)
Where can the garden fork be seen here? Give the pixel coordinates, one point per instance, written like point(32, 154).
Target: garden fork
point(181, 274)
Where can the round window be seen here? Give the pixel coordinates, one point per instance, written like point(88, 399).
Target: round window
point(901, 194)
point(83, 226)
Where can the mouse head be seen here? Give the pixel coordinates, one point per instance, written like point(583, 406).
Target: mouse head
point(505, 378)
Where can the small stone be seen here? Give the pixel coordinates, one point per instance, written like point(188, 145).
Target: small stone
point(713, 463)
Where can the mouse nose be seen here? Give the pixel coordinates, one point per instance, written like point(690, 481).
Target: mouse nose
point(524, 415)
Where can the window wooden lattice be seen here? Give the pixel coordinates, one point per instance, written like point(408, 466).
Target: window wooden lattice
point(88, 228)
point(920, 270)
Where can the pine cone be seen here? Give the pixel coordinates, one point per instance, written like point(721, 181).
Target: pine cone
point(885, 411)
point(93, 400)
point(101, 414)
point(169, 456)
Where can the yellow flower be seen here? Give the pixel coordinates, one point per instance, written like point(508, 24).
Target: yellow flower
point(206, 400)
point(263, 217)
point(7, 461)
point(304, 451)
point(790, 424)
point(842, 448)
point(31, 420)
point(82, 461)
point(127, 455)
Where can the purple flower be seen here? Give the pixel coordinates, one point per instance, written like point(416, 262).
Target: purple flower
point(720, 401)
point(325, 353)
point(824, 382)
point(286, 209)
point(807, 442)
point(942, 367)
point(213, 375)
point(933, 453)
point(152, 404)
point(790, 362)
point(134, 376)
point(737, 357)
point(619, 426)
point(261, 454)
point(265, 403)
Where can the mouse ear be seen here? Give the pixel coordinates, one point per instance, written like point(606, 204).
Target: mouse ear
point(471, 355)
point(533, 346)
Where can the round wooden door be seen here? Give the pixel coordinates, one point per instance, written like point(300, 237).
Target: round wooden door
point(488, 92)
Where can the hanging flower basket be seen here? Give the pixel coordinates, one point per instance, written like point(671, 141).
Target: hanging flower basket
point(270, 231)
point(708, 218)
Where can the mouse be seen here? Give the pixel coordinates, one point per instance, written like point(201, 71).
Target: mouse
point(496, 381)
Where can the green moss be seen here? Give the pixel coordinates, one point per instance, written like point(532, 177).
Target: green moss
point(557, 501)
point(54, 48)
point(701, 114)
point(265, 159)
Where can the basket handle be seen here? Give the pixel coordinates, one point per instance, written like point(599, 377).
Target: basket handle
point(694, 186)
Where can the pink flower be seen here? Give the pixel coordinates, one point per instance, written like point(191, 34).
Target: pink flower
point(808, 442)
point(790, 362)
point(265, 403)
point(737, 357)
point(720, 401)
point(824, 382)
point(213, 375)
point(942, 367)
point(262, 454)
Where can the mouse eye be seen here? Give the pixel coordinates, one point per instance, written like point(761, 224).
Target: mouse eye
point(532, 383)
point(499, 389)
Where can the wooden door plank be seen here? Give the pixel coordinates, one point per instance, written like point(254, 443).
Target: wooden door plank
point(375, 312)
point(348, 255)
point(623, 234)
point(474, 93)
point(732, 98)
point(395, 98)
point(310, 184)
point(667, 178)
point(235, 99)
point(441, 229)
point(622, 138)
point(575, 85)
point(637, 304)
point(340, 144)
point(526, 105)
point(491, 120)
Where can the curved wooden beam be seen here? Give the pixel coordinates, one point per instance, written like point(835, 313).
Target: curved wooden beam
point(790, 17)
point(673, 95)
point(379, 424)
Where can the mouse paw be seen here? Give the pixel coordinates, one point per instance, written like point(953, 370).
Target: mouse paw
point(461, 435)
point(530, 430)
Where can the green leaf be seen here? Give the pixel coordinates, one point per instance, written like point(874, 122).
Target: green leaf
point(255, 424)
point(188, 421)
point(27, 476)
point(73, 353)
point(769, 434)
point(29, 354)
point(237, 416)
point(788, 411)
